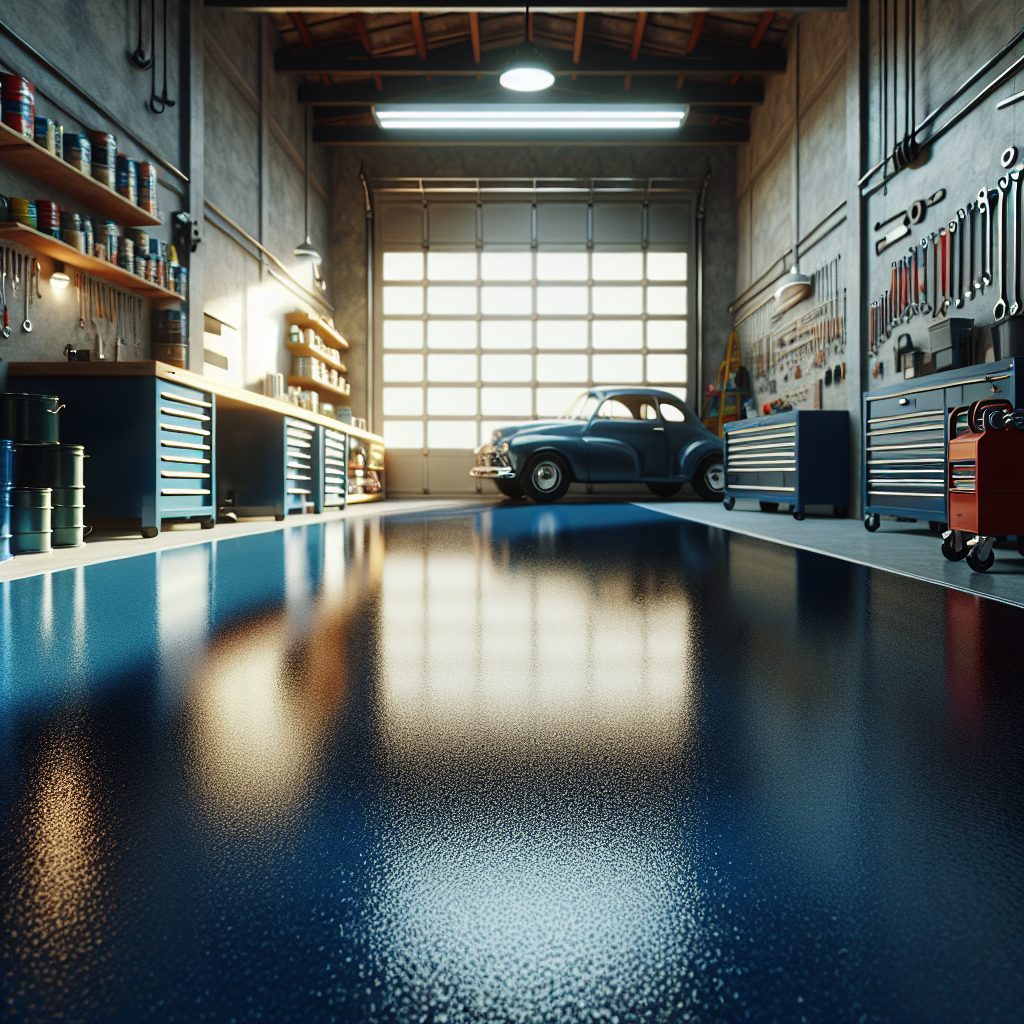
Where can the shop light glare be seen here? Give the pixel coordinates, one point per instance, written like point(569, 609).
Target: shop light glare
point(529, 117)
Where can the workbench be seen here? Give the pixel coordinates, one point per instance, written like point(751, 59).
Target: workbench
point(167, 444)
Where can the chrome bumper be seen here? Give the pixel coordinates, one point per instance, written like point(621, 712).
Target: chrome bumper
point(493, 472)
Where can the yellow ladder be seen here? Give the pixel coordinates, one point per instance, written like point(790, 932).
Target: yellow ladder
point(730, 365)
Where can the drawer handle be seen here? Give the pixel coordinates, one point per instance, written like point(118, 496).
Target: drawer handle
point(188, 401)
point(904, 401)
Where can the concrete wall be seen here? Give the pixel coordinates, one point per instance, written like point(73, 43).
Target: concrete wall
point(348, 225)
point(251, 127)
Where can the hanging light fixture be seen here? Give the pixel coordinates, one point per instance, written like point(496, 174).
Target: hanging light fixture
point(526, 70)
point(59, 278)
point(305, 249)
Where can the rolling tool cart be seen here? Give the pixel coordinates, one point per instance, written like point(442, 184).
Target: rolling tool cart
point(905, 439)
point(801, 458)
point(150, 444)
point(985, 482)
point(270, 464)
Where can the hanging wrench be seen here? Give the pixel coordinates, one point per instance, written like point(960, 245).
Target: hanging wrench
point(39, 276)
point(961, 217)
point(951, 233)
point(985, 198)
point(6, 329)
point(1017, 306)
point(1002, 305)
point(26, 324)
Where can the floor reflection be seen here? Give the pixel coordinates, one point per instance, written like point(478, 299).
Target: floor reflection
point(561, 764)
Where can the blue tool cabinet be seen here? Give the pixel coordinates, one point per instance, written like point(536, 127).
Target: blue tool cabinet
point(800, 458)
point(269, 463)
point(905, 443)
point(149, 443)
point(334, 460)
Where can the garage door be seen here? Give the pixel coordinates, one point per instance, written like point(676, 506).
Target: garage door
point(500, 312)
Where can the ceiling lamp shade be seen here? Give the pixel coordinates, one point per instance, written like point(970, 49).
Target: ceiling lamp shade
point(526, 71)
point(511, 117)
point(306, 251)
point(792, 289)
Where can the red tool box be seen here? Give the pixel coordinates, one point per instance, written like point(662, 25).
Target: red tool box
point(984, 481)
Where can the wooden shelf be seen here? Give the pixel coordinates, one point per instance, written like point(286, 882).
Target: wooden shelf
point(327, 333)
point(309, 384)
point(354, 499)
point(43, 165)
point(11, 231)
point(302, 349)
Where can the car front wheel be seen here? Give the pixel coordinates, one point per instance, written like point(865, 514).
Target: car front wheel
point(545, 478)
point(664, 490)
point(709, 480)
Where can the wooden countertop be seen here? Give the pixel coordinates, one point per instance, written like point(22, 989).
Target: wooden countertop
point(227, 394)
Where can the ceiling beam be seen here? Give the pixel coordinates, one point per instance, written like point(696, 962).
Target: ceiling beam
point(649, 89)
point(688, 135)
point(638, 35)
point(695, 31)
point(417, 31)
point(474, 35)
point(457, 59)
point(504, 7)
point(364, 36)
point(577, 42)
point(755, 42)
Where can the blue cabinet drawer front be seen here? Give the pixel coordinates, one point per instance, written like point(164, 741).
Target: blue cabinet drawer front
point(920, 401)
point(173, 499)
point(191, 397)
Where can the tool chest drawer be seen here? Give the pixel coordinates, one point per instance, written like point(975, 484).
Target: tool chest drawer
point(801, 458)
point(335, 457)
point(301, 457)
point(904, 440)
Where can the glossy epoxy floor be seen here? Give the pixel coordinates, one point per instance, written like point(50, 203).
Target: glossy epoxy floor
point(579, 763)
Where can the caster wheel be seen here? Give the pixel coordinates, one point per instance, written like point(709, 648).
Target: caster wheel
point(227, 517)
point(208, 523)
point(279, 519)
point(149, 532)
point(950, 551)
point(769, 506)
point(872, 522)
point(798, 515)
point(840, 511)
point(979, 566)
point(728, 502)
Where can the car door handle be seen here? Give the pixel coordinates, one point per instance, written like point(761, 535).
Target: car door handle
point(660, 428)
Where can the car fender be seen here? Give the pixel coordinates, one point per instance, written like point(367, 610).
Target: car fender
point(611, 460)
point(696, 452)
point(522, 447)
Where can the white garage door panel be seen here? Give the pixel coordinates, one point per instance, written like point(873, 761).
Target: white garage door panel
point(509, 312)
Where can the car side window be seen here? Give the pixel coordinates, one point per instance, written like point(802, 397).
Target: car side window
point(672, 413)
point(612, 409)
point(648, 411)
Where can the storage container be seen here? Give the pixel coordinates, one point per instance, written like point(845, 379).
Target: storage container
point(6, 486)
point(25, 417)
point(31, 528)
point(18, 98)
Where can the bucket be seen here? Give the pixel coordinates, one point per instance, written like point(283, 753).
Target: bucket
point(29, 417)
point(19, 104)
point(6, 485)
point(31, 527)
point(176, 355)
point(50, 465)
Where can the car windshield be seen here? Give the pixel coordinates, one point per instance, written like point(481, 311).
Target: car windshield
point(582, 407)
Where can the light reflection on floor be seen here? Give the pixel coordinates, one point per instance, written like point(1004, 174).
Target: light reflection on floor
point(565, 764)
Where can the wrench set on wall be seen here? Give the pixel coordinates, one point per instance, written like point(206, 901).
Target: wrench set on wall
point(99, 304)
point(19, 286)
point(805, 342)
point(979, 249)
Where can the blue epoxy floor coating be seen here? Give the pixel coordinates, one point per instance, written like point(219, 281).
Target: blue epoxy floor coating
point(581, 763)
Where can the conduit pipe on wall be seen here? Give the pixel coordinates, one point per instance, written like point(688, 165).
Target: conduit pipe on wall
point(370, 354)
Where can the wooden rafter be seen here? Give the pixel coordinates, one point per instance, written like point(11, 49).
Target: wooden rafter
point(577, 43)
point(307, 40)
point(755, 42)
point(417, 31)
point(364, 36)
point(638, 35)
point(698, 27)
point(474, 34)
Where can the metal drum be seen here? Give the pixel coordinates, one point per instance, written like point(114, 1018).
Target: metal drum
point(68, 517)
point(30, 417)
point(49, 465)
point(6, 486)
point(31, 525)
point(19, 104)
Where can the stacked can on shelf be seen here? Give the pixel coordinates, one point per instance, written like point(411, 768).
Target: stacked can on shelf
point(126, 181)
point(23, 211)
point(18, 97)
point(147, 188)
point(78, 151)
point(170, 337)
point(46, 134)
point(48, 217)
point(104, 158)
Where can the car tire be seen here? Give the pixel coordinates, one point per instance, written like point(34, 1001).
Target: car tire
point(545, 478)
point(510, 488)
point(664, 490)
point(709, 480)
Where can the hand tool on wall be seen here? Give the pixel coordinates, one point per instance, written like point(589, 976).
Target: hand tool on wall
point(914, 214)
point(39, 275)
point(26, 324)
point(138, 55)
point(1002, 305)
point(985, 197)
point(933, 239)
point(81, 305)
point(1016, 306)
point(951, 233)
point(6, 329)
point(961, 219)
point(921, 254)
point(969, 239)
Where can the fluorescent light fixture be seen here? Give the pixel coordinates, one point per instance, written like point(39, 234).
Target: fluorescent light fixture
point(512, 117)
point(526, 71)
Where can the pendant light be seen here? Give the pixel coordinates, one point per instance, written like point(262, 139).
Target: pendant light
point(305, 250)
point(526, 70)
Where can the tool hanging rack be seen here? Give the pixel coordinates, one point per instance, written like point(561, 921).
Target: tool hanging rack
point(100, 301)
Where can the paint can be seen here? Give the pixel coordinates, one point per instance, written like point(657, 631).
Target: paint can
point(48, 217)
point(126, 255)
point(23, 211)
point(76, 239)
point(104, 175)
point(78, 151)
point(302, 366)
point(170, 336)
point(70, 221)
point(87, 231)
point(147, 188)
point(104, 150)
point(6, 486)
point(181, 282)
point(176, 355)
point(18, 98)
point(127, 179)
point(31, 525)
point(46, 134)
point(273, 385)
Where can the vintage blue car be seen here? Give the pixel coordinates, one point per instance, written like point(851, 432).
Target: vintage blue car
point(608, 435)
